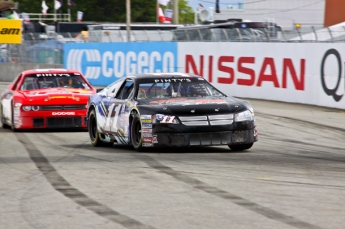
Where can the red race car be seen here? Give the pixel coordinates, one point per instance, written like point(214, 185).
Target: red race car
point(46, 98)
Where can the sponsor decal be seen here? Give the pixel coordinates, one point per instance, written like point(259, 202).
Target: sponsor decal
point(146, 130)
point(171, 80)
point(53, 74)
point(246, 66)
point(11, 32)
point(146, 125)
point(332, 91)
point(146, 144)
point(62, 97)
point(146, 117)
point(147, 134)
point(147, 139)
point(154, 139)
point(63, 113)
point(105, 63)
point(146, 120)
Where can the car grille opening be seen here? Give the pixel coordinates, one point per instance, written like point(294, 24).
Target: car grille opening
point(64, 122)
point(203, 139)
point(212, 120)
point(38, 122)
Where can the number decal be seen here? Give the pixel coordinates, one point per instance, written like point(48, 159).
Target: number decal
point(168, 119)
point(116, 117)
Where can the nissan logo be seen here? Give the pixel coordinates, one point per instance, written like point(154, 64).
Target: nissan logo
point(331, 91)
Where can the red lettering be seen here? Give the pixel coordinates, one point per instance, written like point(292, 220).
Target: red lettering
point(247, 71)
point(268, 63)
point(288, 65)
point(190, 62)
point(210, 66)
point(223, 68)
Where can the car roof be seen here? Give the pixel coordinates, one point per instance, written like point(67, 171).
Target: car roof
point(49, 70)
point(164, 74)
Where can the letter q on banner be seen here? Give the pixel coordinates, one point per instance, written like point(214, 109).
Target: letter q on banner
point(80, 16)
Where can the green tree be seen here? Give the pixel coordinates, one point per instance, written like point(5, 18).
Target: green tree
point(113, 11)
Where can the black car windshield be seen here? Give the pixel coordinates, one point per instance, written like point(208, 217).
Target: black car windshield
point(33, 82)
point(176, 87)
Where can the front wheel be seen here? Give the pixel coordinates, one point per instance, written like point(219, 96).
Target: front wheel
point(241, 147)
point(2, 119)
point(12, 119)
point(136, 138)
point(93, 131)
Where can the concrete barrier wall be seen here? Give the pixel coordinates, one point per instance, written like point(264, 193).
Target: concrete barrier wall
point(9, 71)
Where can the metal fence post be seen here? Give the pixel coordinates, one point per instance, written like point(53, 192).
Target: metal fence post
point(330, 33)
point(239, 33)
point(226, 35)
point(316, 38)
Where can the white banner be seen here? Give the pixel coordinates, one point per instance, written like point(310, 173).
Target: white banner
point(80, 16)
point(163, 2)
point(309, 73)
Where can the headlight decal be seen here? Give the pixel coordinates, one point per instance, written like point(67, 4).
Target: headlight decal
point(26, 108)
point(165, 119)
point(30, 108)
point(244, 116)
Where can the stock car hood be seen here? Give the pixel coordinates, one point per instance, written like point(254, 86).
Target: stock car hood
point(57, 96)
point(196, 106)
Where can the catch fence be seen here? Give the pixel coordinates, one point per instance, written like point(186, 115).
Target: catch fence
point(47, 48)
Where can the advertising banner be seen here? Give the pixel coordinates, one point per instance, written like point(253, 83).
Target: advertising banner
point(10, 31)
point(104, 63)
point(309, 73)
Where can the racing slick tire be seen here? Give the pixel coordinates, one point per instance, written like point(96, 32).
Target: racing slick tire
point(12, 119)
point(3, 123)
point(136, 137)
point(93, 132)
point(240, 147)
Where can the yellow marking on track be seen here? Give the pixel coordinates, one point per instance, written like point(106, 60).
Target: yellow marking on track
point(264, 178)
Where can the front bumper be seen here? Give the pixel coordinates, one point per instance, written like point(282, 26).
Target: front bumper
point(50, 120)
point(201, 139)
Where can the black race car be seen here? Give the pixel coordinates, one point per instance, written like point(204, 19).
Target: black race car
point(169, 110)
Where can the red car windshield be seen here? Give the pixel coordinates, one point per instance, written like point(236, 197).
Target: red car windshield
point(33, 82)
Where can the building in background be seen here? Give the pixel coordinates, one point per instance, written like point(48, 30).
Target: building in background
point(286, 13)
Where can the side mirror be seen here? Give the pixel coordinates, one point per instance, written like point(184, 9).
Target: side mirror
point(99, 89)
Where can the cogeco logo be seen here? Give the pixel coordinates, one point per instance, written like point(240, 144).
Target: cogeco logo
point(63, 113)
point(75, 58)
point(119, 63)
point(9, 31)
point(331, 91)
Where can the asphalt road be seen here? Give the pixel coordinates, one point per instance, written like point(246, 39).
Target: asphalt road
point(293, 177)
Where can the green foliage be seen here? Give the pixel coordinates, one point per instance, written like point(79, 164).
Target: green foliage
point(113, 11)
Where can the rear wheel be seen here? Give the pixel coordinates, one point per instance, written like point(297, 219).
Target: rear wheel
point(241, 147)
point(136, 138)
point(93, 131)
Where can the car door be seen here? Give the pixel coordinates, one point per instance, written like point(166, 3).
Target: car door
point(106, 95)
point(118, 110)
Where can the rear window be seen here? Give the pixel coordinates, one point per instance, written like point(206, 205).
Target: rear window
point(65, 80)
